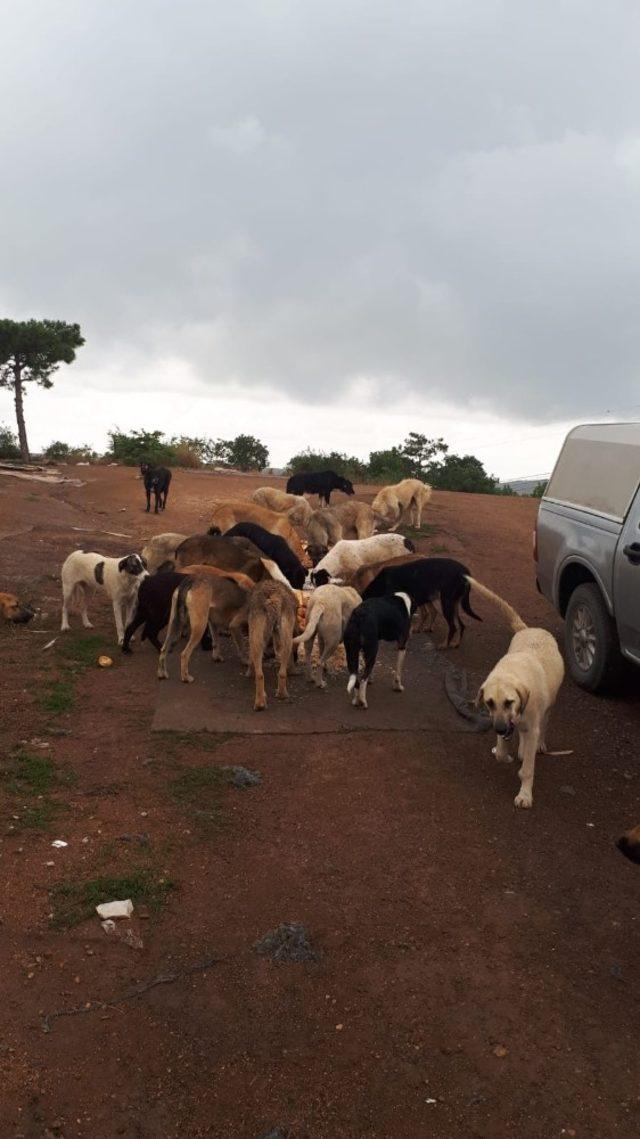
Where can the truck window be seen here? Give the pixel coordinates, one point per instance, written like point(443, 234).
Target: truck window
point(598, 469)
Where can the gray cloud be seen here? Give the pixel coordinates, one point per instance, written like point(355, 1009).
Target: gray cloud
point(439, 197)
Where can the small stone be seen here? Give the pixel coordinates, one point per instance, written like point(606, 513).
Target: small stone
point(567, 789)
point(339, 1027)
point(500, 1051)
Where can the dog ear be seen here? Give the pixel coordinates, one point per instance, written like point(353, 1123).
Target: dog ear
point(479, 700)
point(523, 696)
point(122, 565)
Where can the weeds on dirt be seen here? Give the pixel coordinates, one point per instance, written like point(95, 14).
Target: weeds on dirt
point(198, 790)
point(427, 530)
point(58, 696)
point(29, 777)
point(81, 650)
point(74, 902)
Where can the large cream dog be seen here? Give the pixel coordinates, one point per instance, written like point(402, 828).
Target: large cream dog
point(229, 513)
point(347, 556)
point(297, 508)
point(520, 692)
point(406, 498)
point(120, 578)
point(161, 549)
point(328, 610)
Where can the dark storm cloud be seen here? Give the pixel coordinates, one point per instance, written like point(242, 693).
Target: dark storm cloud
point(439, 197)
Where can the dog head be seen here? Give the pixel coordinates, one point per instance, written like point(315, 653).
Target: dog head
point(17, 612)
point(320, 577)
point(316, 553)
point(345, 485)
point(298, 577)
point(505, 702)
point(144, 467)
point(133, 564)
point(629, 844)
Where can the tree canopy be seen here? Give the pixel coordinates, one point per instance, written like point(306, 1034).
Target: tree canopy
point(30, 352)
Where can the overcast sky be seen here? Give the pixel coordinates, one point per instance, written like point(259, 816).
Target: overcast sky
point(327, 223)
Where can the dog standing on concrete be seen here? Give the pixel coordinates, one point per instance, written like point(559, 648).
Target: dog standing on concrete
point(378, 619)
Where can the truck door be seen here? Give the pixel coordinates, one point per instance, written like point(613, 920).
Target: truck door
point(626, 583)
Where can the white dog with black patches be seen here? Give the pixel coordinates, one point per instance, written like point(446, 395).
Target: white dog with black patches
point(120, 578)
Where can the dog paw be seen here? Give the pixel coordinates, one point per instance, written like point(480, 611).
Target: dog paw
point(523, 800)
point(501, 758)
point(398, 687)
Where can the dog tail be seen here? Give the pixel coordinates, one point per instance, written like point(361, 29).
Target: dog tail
point(516, 624)
point(466, 603)
point(311, 626)
point(274, 571)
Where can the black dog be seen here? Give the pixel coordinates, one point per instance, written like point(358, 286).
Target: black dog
point(424, 581)
point(378, 619)
point(320, 483)
point(156, 479)
point(154, 608)
point(273, 547)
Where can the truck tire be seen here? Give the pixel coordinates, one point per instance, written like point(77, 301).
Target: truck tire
point(591, 640)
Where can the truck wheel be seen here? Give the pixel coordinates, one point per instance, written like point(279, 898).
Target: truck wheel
point(591, 640)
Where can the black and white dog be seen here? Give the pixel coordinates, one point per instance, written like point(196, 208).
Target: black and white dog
point(378, 619)
point(153, 609)
point(120, 578)
point(156, 479)
point(320, 483)
point(427, 580)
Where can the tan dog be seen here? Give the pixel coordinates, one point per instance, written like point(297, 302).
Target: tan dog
point(357, 519)
point(328, 610)
point(406, 498)
point(228, 514)
point(324, 529)
point(233, 554)
point(160, 549)
point(272, 612)
point(211, 597)
point(520, 692)
point(14, 611)
point(297, 508)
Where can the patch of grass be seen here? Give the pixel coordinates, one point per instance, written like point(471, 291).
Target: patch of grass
point(198, 789)
point(39, 817)
point(427, 530)
point(30, 777)
point(28, 774)
point(73, 902)
point(58, 696)
point(81, 650)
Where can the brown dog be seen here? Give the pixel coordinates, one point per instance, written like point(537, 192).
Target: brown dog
point(208, 596)
point(228, 514)
point(14, 611)
point(272, 612)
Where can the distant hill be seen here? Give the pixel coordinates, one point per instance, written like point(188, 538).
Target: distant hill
point(523, 486)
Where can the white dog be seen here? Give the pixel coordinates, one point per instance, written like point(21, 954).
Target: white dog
point(520, 692)
point(347, 556)
point(119, 577)
point(329, 609)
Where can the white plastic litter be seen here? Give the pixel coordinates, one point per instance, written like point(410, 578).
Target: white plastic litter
point(59, 843)
point(115, 909)
point(108, 926)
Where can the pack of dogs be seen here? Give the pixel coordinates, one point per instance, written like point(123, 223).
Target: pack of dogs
point(255, 576)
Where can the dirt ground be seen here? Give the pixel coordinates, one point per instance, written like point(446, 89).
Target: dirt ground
point(478, 967)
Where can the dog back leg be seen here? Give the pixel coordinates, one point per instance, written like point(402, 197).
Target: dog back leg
point(370, 653)
point(257, 640)
point(134, 624)
point(448, 612)
point(171, 636)
point(283, 644)
point(397, 676)
point(197, 602)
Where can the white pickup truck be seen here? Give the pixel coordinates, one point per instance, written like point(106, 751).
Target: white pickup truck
point(587, 549)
